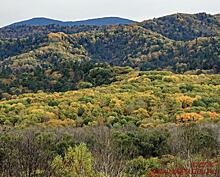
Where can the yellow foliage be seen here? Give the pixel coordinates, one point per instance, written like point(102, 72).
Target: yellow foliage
point(57, 36)
point(171, 79)
point(58, 122)
point(141, 113)
point(116, 103)
point(18, 106)
point(34, 110)
point(185, 100)
point(147, 123)
point(50, 115)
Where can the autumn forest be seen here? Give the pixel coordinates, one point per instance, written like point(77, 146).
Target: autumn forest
point(122, 100)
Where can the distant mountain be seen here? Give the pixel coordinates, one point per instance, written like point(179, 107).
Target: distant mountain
point(179, 27)
point(95, 22)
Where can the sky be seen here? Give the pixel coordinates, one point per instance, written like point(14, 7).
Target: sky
point(71, 10)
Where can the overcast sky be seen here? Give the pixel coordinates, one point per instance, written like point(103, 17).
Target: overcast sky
point(71, 10)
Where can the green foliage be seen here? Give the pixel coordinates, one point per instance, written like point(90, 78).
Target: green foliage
point(100, 76)
point(184, 26)
point(143, 143)
point(63, 75)
point(83, 85)
point(24, 31)
point(76, 162)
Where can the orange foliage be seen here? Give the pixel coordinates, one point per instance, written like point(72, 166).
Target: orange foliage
point(211, 115)
point(185, 117)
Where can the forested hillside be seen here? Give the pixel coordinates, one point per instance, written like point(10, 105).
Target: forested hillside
point(59, 61)
point(111, 101)
point(143, 123)
point(24, 31)
point(185, 27)
point(141, 98)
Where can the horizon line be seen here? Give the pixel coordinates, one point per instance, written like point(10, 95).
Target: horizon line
point(99, 17)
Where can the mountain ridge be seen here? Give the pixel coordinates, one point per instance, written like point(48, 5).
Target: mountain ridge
point(43, 21)
point(178, 27)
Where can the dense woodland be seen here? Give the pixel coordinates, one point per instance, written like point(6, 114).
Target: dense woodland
point(141, 98)
point(25, 31)
point(185, 27)
point(141, 122)
point(113, 101)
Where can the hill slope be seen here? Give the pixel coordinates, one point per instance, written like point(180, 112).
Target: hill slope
point(140, 98)
point(25, 31)
point(184, 26)
point(53, 63)
point(59, 61)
